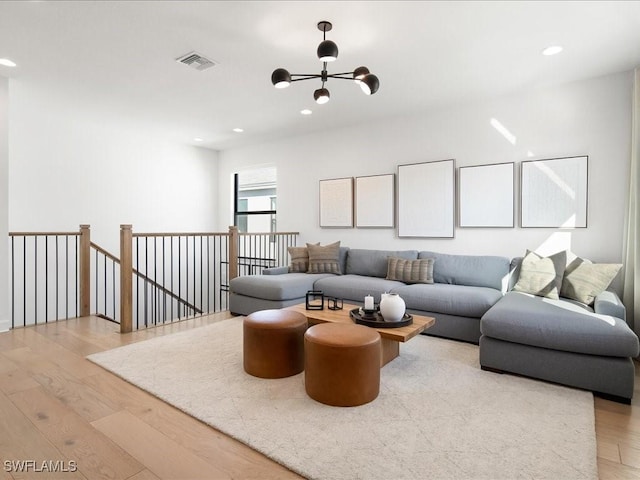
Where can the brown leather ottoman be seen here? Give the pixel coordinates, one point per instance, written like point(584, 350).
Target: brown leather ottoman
point(273, 343)
point(342, 364)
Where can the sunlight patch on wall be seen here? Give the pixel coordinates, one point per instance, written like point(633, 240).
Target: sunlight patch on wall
point(511, 138)
point(554, 243)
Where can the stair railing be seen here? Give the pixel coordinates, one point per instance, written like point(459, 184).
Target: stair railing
point(159, 277)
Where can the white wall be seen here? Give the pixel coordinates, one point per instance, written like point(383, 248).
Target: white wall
point(71, 165)
point(5, 322)
point(585, 118)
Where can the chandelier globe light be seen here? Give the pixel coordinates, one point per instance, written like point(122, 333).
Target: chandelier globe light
point(327, 52)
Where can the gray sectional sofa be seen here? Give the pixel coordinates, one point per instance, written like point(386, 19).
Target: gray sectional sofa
point(561, 341)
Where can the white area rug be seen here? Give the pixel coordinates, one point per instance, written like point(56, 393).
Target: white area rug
point(437, 416)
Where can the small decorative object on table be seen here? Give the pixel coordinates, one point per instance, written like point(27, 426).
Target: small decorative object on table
point(334, 303)
point(369, 306)
point(315, 300)
point(376, 320)
point(392, 307)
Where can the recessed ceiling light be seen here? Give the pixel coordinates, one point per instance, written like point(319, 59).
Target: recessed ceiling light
point(553, 50)
point(6, 62)
point(238, 130)
point(198, 139)
point(306, 111)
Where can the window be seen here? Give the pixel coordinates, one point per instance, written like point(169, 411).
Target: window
point(255, 200)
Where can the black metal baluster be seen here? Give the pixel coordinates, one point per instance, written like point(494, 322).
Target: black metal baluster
point(194, 278)
point(201, 277)
point(35, 278)
point(179, 274)
point(13, 283)
point(77, 298)
point(24, 281)
point(46, 277)
point(113, 288)
point(106, 290)
point(138, 283)
point(57, 277)
point(66, 276)
point(146, 283)
point(208, 273)
point(155, 278)
point(164, 283)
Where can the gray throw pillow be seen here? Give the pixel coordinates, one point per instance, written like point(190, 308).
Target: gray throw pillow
point(584, 281)
point(410, 271)
point(542, 276)
point(324, 259)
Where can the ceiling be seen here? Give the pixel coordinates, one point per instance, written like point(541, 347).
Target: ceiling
point(117, 59)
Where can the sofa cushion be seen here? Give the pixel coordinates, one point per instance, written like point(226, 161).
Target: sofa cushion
point(410, 271)
point(324, 259)
point(541, 276)
point(473, 270)
point(299, 259)
point(275, 287)
point(462, 300)
point(584, 281)
point(355, 287)
point(558, 325)
point(373, 263)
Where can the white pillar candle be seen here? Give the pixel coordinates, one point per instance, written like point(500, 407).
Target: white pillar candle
point(368, 302)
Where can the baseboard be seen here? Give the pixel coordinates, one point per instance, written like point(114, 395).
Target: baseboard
point(5, 325)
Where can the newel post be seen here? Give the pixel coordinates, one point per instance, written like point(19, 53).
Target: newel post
point(233, 252)
point(85, 270)
point(126, 279)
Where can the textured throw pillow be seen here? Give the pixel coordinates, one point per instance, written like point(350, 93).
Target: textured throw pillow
point(541, 276)
point(299, 259)
point(324, 259)
point(410, 271)
point(584, 281)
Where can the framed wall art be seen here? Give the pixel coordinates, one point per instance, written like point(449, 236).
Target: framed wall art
point(426, 199)
point(336, 203)
point(375, 201)
point(554, 193)
point(486, 196)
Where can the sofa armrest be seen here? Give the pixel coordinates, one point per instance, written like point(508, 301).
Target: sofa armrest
point(275, 271)
point(608, 303)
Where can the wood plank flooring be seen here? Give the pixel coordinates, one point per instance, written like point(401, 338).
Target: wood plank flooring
point(73, 419)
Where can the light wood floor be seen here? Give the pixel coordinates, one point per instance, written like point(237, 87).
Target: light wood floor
point(56, 406)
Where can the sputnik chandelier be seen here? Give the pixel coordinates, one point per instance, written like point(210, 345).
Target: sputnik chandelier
point(327, 52)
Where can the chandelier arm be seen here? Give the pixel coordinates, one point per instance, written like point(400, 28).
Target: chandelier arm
point(340, 78)
point(342, 73)
point(304, 77)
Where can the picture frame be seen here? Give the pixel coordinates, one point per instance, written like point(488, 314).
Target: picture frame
point(375, 201)
point(554, 192)
point(336, 203)
point(426, 199)
point(486, 196)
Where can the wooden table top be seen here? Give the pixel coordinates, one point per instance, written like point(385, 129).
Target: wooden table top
point(400, 334)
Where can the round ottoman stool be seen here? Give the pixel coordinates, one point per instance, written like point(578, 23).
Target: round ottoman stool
point(273, 343)
point(342, 364)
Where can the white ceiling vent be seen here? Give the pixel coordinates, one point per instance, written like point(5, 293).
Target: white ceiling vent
point(196, 61)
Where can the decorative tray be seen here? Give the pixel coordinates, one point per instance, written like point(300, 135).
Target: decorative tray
point(375, 320)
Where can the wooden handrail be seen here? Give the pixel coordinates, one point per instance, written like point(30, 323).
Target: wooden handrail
point(209, 234)
point(182, 234)
point(267, 233)
point(107, 254)
point(44, 234)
